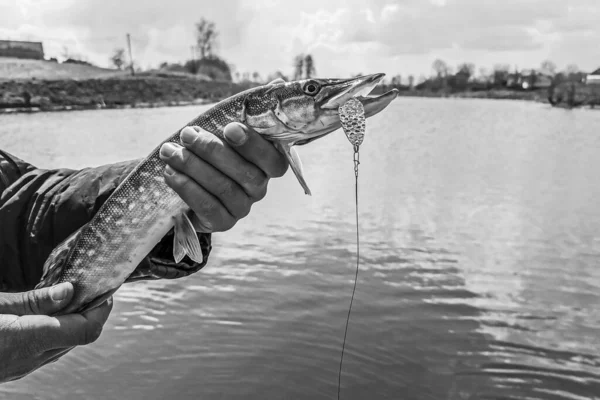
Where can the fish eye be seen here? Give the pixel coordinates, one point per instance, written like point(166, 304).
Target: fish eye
point(311, 88)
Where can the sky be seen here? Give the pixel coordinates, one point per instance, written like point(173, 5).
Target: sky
point(345, 37)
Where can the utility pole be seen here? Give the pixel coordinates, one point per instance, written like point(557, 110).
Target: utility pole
point(130, 56)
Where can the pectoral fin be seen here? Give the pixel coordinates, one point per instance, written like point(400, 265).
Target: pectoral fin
point(294, 159)
point(185, 240)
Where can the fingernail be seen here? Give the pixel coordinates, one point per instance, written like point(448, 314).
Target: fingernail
point(236, 135)
point(188, 135)
point(169, 171)
point(59, 292)
point(167, 150)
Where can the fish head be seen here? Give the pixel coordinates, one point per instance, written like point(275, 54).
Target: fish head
point(302, 111)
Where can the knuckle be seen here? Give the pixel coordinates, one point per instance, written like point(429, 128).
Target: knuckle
point(205, 206)
point(209, 143)
point(226, 189)
point(32, 302)
point(179, 183)
point(185, 157)
point(208, 205)
point(256, 184)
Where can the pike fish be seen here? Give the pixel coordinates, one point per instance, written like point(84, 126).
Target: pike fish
point(100, 256)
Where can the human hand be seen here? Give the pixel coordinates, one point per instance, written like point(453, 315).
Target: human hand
point(30, 339)
point(220, 180)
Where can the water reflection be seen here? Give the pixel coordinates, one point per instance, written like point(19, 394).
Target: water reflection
point(478, 274)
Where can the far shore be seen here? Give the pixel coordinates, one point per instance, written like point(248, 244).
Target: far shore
point(33, 96)
point(31, 86)
point(156, 90)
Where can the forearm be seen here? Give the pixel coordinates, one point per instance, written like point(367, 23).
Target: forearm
point(41, 208)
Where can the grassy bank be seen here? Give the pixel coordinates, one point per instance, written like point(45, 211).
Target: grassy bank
point(32, 85)
point(117, 92)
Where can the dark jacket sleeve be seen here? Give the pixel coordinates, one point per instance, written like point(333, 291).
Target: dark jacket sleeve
point(40, 208)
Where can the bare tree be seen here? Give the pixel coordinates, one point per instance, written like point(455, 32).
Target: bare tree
point(572, 69)
point(548, 67)
point(118, 58)
point(298, 66)
point(441, 68)
point(206, 37)
point(309, 67)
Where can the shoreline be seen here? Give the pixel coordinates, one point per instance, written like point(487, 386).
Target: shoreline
point(29, 96)
point(33, 96)
point(160, 104)
point(32, 109)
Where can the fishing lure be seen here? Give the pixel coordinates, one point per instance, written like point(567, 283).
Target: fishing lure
point(352, 117)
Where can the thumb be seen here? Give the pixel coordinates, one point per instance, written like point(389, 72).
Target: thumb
point(45, 301)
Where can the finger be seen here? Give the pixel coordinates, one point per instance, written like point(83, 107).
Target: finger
point(44, 301)
point(213, 216)
point(254, 148)
point(229, 193)
point(72, 329)
point(217, 153)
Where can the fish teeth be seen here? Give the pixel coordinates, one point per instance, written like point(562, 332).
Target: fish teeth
point(352, 117)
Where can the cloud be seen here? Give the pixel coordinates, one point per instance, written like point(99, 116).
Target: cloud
point(345, 36)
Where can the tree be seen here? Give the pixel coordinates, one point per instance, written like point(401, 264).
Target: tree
point(118, 58)
point(411, 81)
point(206, 37)
point(397, 81)
point(500, 74)
point(483, 74)
point(467, 70)
point(572, 69)
point(548, 67)
point(309, 67)
point(441, 68)
point(256, 76)
point(573, 74)
point(298, 66)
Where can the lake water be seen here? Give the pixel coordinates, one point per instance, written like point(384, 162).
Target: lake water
point(479, 279)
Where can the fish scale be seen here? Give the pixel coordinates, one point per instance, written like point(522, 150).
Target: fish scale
point(101, 255)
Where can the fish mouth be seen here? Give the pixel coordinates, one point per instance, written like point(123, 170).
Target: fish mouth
point(337, 93)
point(372, 105)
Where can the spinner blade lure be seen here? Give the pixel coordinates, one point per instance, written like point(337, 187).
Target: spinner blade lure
point(352, 117)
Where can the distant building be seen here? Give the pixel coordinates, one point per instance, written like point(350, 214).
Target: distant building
point(593, 78)
point(19, 49)
point(532, 79)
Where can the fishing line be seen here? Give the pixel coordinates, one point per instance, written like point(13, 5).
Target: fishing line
point(356, 162)
point(352, 117)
